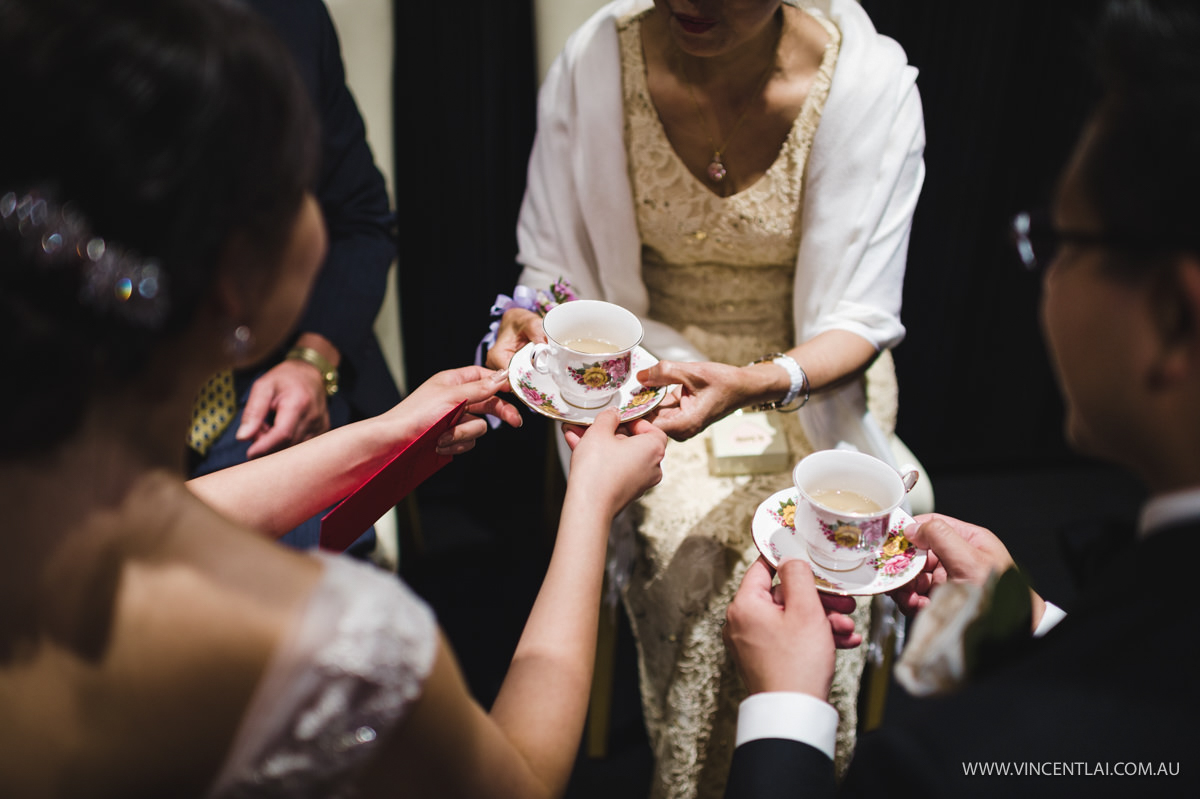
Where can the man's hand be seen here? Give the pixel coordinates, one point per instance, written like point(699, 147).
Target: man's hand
point(783, 645)
point(958, 551)
point(286, 405)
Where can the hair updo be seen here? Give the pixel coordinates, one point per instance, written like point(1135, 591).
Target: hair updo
point(160, 128)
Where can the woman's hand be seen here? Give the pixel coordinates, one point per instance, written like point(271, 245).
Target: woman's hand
point(707, 392)
point(434, 398)
point(518, 327)
point(613, 464)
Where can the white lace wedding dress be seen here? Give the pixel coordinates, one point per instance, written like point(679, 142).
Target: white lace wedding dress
point(345, 675)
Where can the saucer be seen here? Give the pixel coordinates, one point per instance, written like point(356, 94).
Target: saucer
point(539, 392)
point(775, 536)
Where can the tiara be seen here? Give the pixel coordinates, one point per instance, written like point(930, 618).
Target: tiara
point(115, 281)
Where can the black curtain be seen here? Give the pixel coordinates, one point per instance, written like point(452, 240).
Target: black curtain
point(465, 105)
point(1006, 88)
point(465, 88)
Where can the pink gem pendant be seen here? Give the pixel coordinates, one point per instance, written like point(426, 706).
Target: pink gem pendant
point(716, 170)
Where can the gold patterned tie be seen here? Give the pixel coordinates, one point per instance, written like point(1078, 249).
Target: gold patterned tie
point(213, 410)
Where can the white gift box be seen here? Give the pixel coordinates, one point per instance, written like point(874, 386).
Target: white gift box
point(747, 442)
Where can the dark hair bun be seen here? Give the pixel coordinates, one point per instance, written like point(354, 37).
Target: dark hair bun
point(163, 127)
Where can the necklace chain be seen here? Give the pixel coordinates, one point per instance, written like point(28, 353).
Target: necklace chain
point(716, 169)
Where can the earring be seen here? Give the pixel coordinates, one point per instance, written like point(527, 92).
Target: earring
point(239, 341)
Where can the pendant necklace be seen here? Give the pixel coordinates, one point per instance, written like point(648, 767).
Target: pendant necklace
point(716, 169)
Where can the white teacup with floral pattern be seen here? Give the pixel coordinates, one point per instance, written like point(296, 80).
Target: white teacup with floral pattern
point(852, 496)
point(588, 350)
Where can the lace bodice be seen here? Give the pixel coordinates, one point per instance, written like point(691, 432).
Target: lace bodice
point(346, 674)
point(718, 269)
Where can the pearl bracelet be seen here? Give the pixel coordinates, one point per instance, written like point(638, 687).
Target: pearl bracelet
point(799, 383)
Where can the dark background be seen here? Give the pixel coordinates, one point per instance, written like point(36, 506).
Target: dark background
point(1005, 89)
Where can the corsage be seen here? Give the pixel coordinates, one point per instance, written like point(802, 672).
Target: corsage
point(537, 300)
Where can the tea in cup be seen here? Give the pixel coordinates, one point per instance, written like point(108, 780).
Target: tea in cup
point(588, 352)
point(851, 496)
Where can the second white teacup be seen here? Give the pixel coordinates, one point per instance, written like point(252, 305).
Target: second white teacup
point(589, 349)
point(852, 496)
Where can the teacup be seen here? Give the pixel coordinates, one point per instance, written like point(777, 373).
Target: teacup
point(588, 350)
point(852, 496)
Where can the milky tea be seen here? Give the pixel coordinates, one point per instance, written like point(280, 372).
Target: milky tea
point(594, 346)
point(588, 351)
point(845, 501)
point(849, 497)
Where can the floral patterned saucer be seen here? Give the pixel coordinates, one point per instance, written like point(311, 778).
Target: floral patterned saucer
point(774, 531)
point(539, 392)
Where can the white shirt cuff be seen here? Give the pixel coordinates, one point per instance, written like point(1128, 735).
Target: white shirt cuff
point(1050, 617)
point(788, 715)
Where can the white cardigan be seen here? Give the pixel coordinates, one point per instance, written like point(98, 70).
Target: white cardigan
point(864, 174)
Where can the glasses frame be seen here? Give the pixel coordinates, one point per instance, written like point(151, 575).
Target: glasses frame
point(1033, 232)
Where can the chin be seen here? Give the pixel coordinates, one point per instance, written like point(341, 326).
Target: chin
point(1084, 442)
point(1077, 435)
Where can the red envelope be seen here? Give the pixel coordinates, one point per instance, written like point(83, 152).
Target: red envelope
point(406, 470)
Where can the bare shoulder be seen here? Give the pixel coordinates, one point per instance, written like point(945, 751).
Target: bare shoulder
point(179, 636)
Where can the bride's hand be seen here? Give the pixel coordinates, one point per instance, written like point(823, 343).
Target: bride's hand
point(438, 395)
point(614, 463)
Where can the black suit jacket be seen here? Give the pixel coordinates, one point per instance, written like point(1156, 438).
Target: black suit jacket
point(1115, 686)
point(353, 197)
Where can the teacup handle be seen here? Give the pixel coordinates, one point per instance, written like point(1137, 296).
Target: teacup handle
point(909, 479)
point(538, 357)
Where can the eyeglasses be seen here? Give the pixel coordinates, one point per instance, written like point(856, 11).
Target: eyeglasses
point(1037, 240)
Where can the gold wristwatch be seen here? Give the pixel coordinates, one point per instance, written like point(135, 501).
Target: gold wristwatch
point(329, 372)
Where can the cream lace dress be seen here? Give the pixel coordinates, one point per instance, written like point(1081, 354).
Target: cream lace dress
point(720, 271)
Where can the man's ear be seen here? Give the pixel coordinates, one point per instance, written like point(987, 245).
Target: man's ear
point(1176, 301)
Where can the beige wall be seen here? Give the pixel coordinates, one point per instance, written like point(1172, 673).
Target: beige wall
point(553, 22)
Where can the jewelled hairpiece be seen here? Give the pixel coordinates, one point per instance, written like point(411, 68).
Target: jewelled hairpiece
point(115, 281)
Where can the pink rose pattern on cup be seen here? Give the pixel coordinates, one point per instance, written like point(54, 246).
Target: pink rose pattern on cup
point(601, 374)
point(896, 555)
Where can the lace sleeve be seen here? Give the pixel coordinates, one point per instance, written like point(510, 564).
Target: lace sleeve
point(344, 676)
